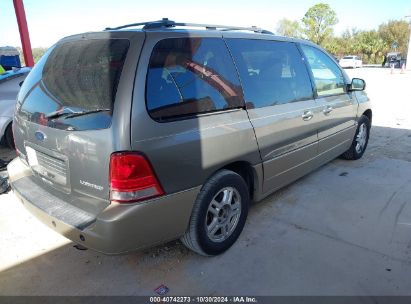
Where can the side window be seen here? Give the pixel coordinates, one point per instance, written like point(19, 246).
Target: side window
point(328, 78)
point(189, 76)
point(271, 72)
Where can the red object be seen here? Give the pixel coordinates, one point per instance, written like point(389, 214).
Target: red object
point(43, 120)
point(24, 32)
point(132, 178)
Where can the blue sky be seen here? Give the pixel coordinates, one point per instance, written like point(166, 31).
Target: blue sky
point(50, 20)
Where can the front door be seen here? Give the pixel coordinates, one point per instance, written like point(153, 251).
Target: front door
point(280, 105)
point(338, 108)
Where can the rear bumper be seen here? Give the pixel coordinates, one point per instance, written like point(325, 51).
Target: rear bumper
point(119, 228)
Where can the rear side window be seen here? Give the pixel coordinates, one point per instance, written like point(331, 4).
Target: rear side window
point(328, 78)
point(76, 76)
point(271, 72)
point(189, 76)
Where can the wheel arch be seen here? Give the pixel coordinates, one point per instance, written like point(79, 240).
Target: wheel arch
point(3, 129)
point(246, 171)
point(368, 113)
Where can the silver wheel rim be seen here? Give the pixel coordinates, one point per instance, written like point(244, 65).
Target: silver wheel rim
point(361, 138)
point(223, 214)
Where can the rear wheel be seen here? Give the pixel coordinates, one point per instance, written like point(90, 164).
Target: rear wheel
point(8, 136)
point(219, 214)
point(360, 141)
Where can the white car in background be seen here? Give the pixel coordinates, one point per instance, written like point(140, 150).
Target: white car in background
point(350, 62)
point(9, 88)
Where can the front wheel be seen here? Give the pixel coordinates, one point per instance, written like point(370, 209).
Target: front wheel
point(219, 214)
point(360, 141)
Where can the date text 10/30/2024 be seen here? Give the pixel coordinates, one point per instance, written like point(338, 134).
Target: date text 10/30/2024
point(221, 299)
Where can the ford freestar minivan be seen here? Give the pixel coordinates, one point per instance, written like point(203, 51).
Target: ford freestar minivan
point(150, 132)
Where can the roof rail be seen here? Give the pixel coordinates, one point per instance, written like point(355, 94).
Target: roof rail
point(165, 22)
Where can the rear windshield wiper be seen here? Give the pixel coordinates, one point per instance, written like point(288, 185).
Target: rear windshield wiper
point(58, 114)
point(75, 114)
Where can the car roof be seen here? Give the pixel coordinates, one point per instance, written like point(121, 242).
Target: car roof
point(200, 32)
point(165, 26)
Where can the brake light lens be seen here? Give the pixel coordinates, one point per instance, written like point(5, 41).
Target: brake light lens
point(132, 178)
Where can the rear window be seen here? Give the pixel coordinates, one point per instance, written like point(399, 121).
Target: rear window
point(190, 76)
point(78, 76)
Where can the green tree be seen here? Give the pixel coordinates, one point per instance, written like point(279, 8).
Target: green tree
point(335, 45)
point(371, 44)
point(319, 21)
point(395, 31)
point(37, 54)
point(289, 28)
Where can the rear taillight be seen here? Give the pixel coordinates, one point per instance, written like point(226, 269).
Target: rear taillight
point(132, 178)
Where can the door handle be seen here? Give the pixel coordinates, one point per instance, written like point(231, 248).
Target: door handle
point(307, 115)
point(327, 110)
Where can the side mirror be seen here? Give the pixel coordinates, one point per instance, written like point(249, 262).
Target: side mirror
point(21, 83)
point(357, 84)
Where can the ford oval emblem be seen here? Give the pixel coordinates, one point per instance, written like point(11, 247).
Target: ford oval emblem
point(40, 136)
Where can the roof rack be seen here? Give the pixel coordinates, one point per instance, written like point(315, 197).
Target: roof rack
point(165, 22)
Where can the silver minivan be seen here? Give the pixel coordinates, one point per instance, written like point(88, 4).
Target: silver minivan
point(149, 132)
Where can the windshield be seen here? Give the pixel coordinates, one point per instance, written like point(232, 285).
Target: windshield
point(78, 76)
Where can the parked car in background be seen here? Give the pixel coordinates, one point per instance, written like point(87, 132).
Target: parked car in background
point(351, 62)
point(132, 137)
point(9, 57)
point(9, 87)
point(393, 59)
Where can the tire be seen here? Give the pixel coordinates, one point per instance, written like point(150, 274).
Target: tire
point(360, 141)
point(215, 210)
point(8, 137)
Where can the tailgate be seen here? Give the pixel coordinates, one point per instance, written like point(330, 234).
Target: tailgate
point(73, 113)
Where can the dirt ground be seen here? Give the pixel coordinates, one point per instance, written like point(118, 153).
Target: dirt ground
point(344, 229)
